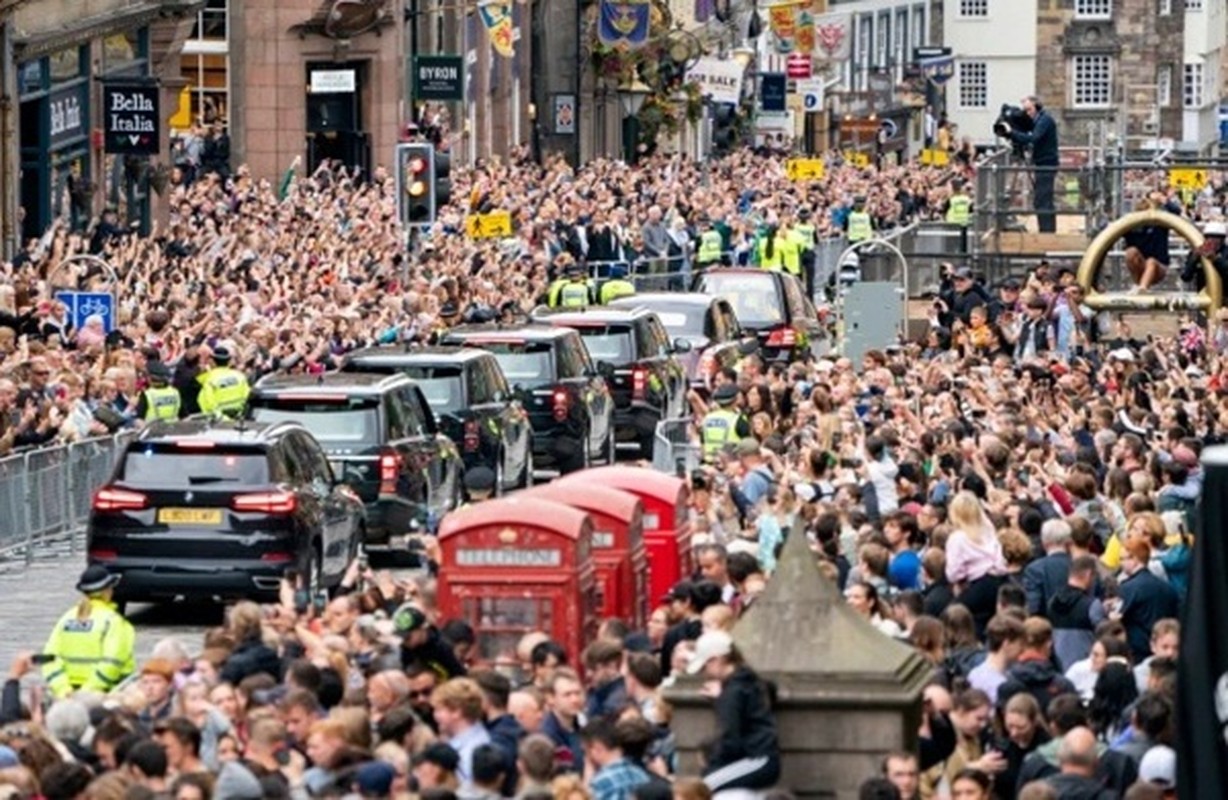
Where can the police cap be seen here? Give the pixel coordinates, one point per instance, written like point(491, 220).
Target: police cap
point(480, 479)
point(158, 372)
point(724, 395)
point(96, 579)
point(221, 355)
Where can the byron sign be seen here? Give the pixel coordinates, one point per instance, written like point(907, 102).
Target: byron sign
point(439, 78)
point(130, 121)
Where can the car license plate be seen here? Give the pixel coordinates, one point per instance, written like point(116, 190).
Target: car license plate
point(190, 516)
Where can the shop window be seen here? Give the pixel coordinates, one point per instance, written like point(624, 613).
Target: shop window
point(67, 65)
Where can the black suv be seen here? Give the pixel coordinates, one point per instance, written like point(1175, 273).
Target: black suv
point(471, 400)
point(708, 323)
point(634, 352)
point(550, 370)
point(774, 306)
point(220, 509)
point(381, 439)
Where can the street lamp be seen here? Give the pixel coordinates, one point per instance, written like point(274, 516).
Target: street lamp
point(631, 95)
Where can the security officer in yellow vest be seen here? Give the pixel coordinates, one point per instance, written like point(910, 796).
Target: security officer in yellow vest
point(859, 226)
point(223, 389)
point(160, 400)
point(724, 424)
point(959, 212)
point(806, 235)
point(768, 254)
point(790, 248)
point(573, 291)
point(92, 645)
point(616, 286)
point(710, 246)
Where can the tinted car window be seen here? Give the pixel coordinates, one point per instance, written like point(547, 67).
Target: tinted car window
point(682, 320)
point(311, 459)
point(494, 375)
point(414, 413)
point(440, 384)
point(612, 343)
point(755, 298)
point(341, 420)
point(797, 301)
point(480, 390)
point(573, 358)
point(168, 466)
point(524, 363)
point(659, 336)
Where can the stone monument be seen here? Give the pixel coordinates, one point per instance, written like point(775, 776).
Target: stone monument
point(846, 694)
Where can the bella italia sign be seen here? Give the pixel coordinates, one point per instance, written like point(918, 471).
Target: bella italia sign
point(130, 121)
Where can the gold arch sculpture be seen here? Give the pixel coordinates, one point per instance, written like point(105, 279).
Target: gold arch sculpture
point(1208, 300)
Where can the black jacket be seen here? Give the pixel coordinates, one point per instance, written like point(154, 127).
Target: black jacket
point(436, 654)
point(1076, 787)
point(1114, 771)
point(1145, 599)
point(505, 734)
point(936, 597)
point(1074, 627)
point(745, 725)
point(685, 631)
point(1042, 140)
point(1036, 676)
point(250, 658)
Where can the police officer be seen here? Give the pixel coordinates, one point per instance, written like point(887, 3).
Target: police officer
point(616, 286)
point(160, 400)
point(768, 254)
point(480, 484)
point(724, 424)
point(573, 291)
point(806, 235)
point(92, 644)
point(223, 389)
point(790, 250)
point(860, 226)
point(959, 212)
point(711, 244)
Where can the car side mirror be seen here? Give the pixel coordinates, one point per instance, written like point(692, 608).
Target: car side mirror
point(518, 389)
point(748, 347)
point(605, 369)
point(682, 345)
point(498, 396)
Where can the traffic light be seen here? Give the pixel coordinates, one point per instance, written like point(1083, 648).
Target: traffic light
point(416, 183)
point(443, 180)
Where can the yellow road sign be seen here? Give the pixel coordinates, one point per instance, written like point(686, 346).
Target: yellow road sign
point(935, 157)
point(804, 169)
point(1187, 178)
point(856, 159)
point(495, 225)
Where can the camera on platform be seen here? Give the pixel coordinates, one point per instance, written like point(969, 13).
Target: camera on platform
point(1011, 118)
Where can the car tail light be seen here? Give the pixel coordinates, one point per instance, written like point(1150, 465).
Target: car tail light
point(471, 439)
point(639, 383)
point(782, 337)
point(103, 555)
point(277, 558)
point(266, 502)
point(560, 402)
point(389, 470)
point(119, 500)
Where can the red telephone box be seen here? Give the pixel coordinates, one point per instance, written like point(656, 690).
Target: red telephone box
point(512, 566)
point(667, 531)
point(618, 545)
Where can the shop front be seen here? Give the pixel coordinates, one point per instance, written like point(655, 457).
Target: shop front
point(65, 162)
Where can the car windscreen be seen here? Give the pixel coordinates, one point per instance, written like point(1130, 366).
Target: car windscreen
point(755, 298)
point(161, 466)
point(442, 386)
point(611, 343)
point(685, 321)
point(339, 419)
point(525, 364)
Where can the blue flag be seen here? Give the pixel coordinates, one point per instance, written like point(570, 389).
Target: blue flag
point(624, 24)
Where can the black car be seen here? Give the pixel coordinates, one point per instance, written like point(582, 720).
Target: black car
point(381, 438)
point(221, 509)
point(634, 352)
point(708, 323)
point(569, 403)
point(471, 400)
point(773, 305)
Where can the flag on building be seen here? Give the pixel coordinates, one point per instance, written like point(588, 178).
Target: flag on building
point(624, 24)
point(497, 19)
point(1202, 666)
point(805, 31)
point(783, 19)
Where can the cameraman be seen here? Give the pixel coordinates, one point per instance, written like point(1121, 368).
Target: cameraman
point(1042, 140)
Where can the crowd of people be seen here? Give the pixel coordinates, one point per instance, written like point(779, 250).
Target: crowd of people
point(1013, 498)
point(291, 283)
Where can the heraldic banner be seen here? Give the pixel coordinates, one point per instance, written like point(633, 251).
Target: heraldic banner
point(497, 19)
point(624, 24)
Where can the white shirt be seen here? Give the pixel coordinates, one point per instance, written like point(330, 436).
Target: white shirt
point(882, 475)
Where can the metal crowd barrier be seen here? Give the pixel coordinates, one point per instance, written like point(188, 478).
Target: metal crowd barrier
point(45, 494)
point(673, 451)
